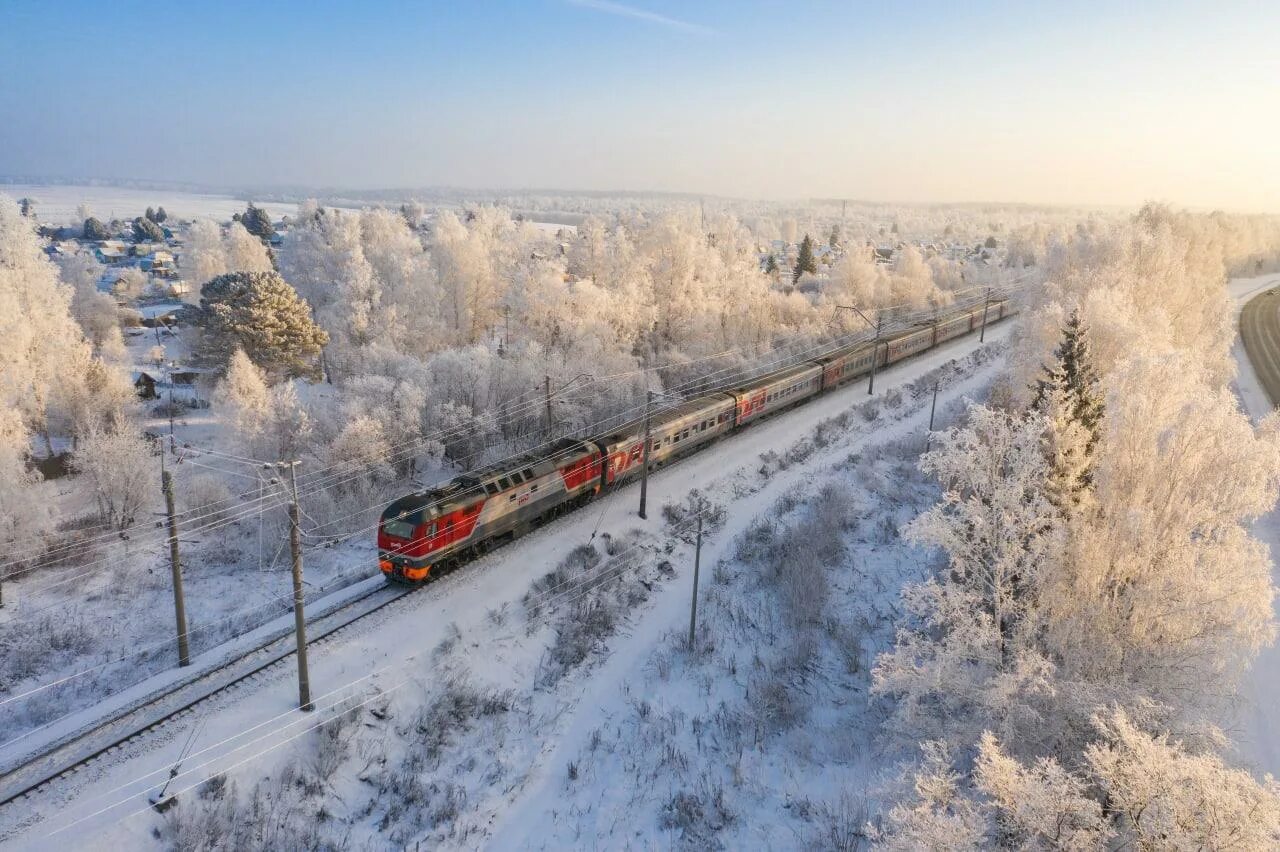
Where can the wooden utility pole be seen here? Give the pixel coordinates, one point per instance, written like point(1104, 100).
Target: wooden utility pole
point(693, 602)
point(644, 456)
point(175, 565)
point(299, 616)
point(982, 335)
point(875, 353)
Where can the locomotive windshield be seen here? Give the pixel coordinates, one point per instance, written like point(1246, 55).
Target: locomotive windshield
point(399, 529)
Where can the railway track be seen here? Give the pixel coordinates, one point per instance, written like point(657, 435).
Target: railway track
point(72, 753)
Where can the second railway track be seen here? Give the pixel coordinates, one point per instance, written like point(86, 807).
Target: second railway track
point(68, 754)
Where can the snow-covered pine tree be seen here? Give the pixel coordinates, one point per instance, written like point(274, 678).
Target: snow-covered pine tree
point(260, 313)
point(805, 262)
point(1069, 398)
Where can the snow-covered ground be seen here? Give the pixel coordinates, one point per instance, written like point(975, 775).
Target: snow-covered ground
point(1256, 729)
point(59, 203)
point(56, 203)
point(467, 689)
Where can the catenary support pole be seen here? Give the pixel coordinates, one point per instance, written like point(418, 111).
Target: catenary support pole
point(933, 407)
point(693, 601)
point(546, 389)
point(644, 456)
point(175, 565)
point(875, 354)
point(299, 616)
point(982, 335)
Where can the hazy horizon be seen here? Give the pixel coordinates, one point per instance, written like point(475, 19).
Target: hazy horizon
point(997, 104)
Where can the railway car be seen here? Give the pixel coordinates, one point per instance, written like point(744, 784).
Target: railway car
point(438, 528)
point(776, 391)
point(672, 432)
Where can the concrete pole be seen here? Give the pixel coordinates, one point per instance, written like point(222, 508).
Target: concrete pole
point(546, 387)
point(175, 565)
point(693, 602)
point(299, 616)
point(982, 335)
point(932, 409)
point(644, 456)
point(875, 354)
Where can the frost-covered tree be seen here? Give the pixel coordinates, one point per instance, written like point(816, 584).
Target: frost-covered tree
point(245, 252)
point(971, 658)
point(1069, 398)
point(363, 453)
point(25, 520)
point(206, 254)
point(257, 221)
point(95, 311)
point(938, 815)
point(1162, 591)
point(1043, 806)
point(144, 230)
point(289, 428)
point(41, 345)
point(260, 313)
point(1166, 797)
point(94, 230)
point(120, 467)
point(465, 432)
point(131, 283)
point(805, 261)
point(244, 398)
point(161, 216)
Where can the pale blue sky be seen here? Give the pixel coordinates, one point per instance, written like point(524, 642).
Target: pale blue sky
point(918, 101)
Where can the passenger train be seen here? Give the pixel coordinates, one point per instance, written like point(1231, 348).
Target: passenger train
point(432, 532)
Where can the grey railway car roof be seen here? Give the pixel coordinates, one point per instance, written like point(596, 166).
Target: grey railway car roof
point(634, 430)
point(461, 490)
point(779, 376)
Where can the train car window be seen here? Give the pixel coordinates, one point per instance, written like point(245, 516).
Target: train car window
point(490, 488)
point(504, 483)
point(513, 496)
point(533, 488)
point(657, 445)
point(684, 434)
point(527, 474)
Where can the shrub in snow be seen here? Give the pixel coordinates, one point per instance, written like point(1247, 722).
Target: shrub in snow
point(205, 495)
point(120, 469)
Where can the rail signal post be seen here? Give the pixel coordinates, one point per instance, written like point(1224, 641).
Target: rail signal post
point(175, 565)
point(299, 616)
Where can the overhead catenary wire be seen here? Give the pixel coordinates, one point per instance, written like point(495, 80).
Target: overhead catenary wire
point(341, 478)
point(616, 419)
point(309, 479)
